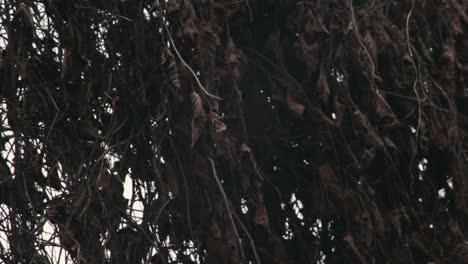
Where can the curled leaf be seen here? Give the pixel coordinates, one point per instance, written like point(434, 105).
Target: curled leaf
point(349, 240)
point(168, 60)
point(383, 109)
point(364, 130)
point(295, 105)
point(261, 216)
point(198, 117)
point(322, 87)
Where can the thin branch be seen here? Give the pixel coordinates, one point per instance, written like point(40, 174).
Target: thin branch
point(226, 202)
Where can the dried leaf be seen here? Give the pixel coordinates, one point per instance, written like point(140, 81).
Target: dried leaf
point(104, 179)
point(322, 87)
point(168, 60)
point(248, 164)
point(418, 242)
point(189, 28)
point(171, 178)
point(352, 245)
point(215, 231)
point(261, 216)
point(339, 110)
point(307, 53)
point(225, 144)
point(389, 143)
point(173, 5)
point(198, 117)
point(383, 109)
point(295, 105)
point(330, 181)
point(280, 251)
point(364, 130)
point(235, 59)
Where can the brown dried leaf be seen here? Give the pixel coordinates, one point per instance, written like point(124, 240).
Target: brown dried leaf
point(235, 59)
point(248, 164)
point(104, 179)
point(173, 5)
point(307, 53)
point(395, 219)
point(208, 43)
point(314, 23)
point(295, 105)
point(330, 181)
point(261, 216)
point(279, 250)
point(418, 241)
point(172, 179)
point(370, 45)
point(459, 253)
point(215, 231)
point(364, 130)
point(389, 143)
point(322, 87)
point(339, 110)
point(168, 60)
point(225, 144)
point(383, 109)
point(73, 64)
point(189, 27)
point(349, 240)
point(198, 117)
point(319, 117)
point(201, 169)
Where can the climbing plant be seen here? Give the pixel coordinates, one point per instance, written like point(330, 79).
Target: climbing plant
point(202, 131)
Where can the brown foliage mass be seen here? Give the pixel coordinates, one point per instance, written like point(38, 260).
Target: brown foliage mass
point(252, 131)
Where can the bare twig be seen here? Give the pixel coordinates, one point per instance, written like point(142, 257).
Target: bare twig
point(226, 202)
point(410, 53)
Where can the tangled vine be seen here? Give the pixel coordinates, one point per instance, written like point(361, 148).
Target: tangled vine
point(222, 131)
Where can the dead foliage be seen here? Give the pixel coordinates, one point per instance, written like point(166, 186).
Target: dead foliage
point(205, 131)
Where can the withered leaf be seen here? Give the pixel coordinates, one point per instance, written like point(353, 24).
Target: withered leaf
point(352, 245)
point(171, 178)
point(104, 178)
point(389, 143)
point(295, 105)
point(215, 231)
point(322, 87)
point(225, 144)
point(73, 64)
point(308, 53)
point(330, 181)
point(333, 140)
point(364, 130)
point(261, 216)
point(189, 28)
point(173, 5)
point(383, 109)
point(168, 59)
point(198, 117)
point(235, 59)
point(339, 110)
